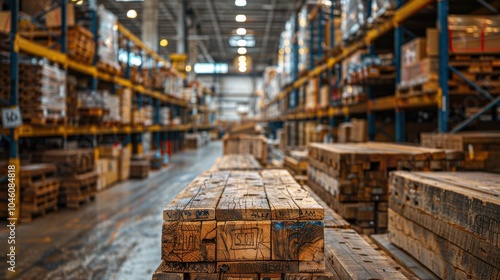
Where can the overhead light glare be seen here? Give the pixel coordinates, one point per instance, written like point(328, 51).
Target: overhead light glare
point(131, 14)
point(164, 42)
point(242, 58)
point(240, 3)
point(241, 31)
point(242, 43)
point(242, 50)
point(188, 68)
point(241, 18)
point(242, 69)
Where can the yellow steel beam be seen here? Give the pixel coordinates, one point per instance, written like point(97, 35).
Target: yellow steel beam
point(35, 49)
point(409, 9)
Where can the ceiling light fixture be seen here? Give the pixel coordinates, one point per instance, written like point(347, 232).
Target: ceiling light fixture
point(242, 50)
point(241, 31)
point(240, 3)
point(131, 14)
point(79, 3)
point(241, 18)
point(242, 43)
point(242, 58)
point(188, 68)
point(242, 69)
point(164, 42)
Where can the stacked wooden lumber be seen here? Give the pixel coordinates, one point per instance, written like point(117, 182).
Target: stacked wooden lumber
point(448, 221)
point(139, 168)
point(246, 144)
point(352, 178)
point(236, 162)
point(243, 224)
point(81, 45)
point(482, 149)
point(77, 169)
point(296, 163)
point(39, 190)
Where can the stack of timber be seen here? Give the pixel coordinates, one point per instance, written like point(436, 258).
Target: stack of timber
point(245, 128)
point(296, 163)
point(81, 45)
point(243, 224)
point(39, 190)
point(42, 92)
point(77, 170)
point(481, 149)
point(139, 167)
point(196, 140)
point(352, 178)
point(246, 144)
point(236, 162)
point(448, 221)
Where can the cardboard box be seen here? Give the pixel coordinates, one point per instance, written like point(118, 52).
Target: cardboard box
point(53, 18)
point(124, 165)
point(112, 174)
point(432, 42)
point(102, 170)
point(109, 151)
point(33, 7)
point(413, 51)
point(5, 22)
point(359, 130)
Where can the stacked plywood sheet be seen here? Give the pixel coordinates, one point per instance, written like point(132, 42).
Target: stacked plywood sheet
point(76, 167)
point(482, 149)
point(448, 221)
point(243, 224)
point(352, 178)
point(236, 162)
point(246, 144)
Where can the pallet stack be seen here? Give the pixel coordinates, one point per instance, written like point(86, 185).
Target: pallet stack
point(39, 190)
point(196, 140)
point(125, 106)
point(91, 107)
point(77, 171)
point(81, 45)
point(243, 224)
point(139, 168)
point(112, 106)
point(236, 162)
point(246, 144)
point(107, 166)
point(448, 221)
point(42, 92)
point(352, 178)
point(481, 149)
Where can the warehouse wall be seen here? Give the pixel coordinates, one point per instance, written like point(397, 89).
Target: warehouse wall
point(232, 90)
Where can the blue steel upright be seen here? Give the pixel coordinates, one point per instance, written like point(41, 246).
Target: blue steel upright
point(443, 64)
point(398, 42)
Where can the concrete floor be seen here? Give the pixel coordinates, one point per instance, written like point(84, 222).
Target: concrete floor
point(115, 237)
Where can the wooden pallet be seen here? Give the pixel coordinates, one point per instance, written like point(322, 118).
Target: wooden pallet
point(139, 169)
point(464, 205)
point(430, 87)
point(34, 173)
point(78, 189)
point(68, 162)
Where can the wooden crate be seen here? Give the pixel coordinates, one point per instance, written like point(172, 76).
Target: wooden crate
point(139, 169)
point(352, 178)
point(69, 162)
point(245, 221)
point(448, 221)
point(236, 162)
point(77, 189)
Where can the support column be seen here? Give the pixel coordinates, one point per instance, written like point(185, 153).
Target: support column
point(398, 42)
point(443, 63)
point(150, 23)
point(371, 116)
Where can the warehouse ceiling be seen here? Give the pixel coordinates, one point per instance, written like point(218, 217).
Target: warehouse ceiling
point(212, 23)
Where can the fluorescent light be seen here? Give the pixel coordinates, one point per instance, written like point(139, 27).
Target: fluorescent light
point(79, 2)
point(242, 58)
point(115, 27)
point(240, 3)
point(242, 50)
point(242, 69)
point(241, 18)
point(188, 68)
point(210, 68)
point(241, 31)
point(242, 43)
point(164, 42)
point(131, 14)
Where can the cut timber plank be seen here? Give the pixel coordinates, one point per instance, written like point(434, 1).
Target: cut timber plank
point(183, 267)
point(189, 241)
point(262, 266)
point(403, 258)
point(471, 203)
point(332, 219)
point(353, 258)
point(237, 162)
point(449, 252)
point(243, 240)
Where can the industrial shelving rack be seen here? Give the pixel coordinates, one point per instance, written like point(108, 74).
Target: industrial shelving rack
point(330, 66)
point(18, 44)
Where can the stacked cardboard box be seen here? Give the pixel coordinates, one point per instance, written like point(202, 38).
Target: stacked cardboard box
point(125, 106)
point(110, 156)
point(112, 106)
point(243, 224)
point(352, 178)
point(481, 149)
point(448, 221)
point(246, 144)
point(124, 164)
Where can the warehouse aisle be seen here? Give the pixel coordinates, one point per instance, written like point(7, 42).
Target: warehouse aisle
point(115, 237)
